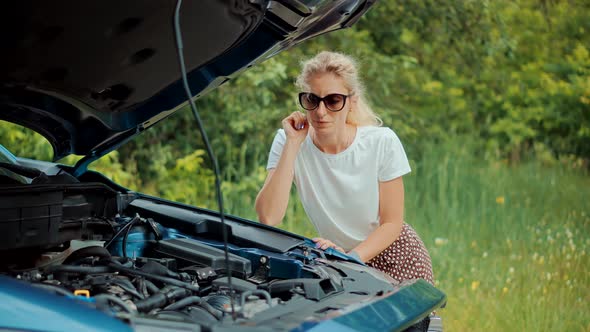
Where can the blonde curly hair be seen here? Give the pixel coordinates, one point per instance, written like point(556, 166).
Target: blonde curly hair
point(345, 67)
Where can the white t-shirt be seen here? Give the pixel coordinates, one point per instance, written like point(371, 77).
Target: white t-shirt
point(340, 192)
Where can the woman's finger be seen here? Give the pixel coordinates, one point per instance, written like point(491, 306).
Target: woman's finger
point(295, 121)
point(320, 242)
point(327, 245)
point(302, 120)
point(299, 121)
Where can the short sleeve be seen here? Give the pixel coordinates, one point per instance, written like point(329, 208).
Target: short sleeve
point(276, 149)
point(393, 161)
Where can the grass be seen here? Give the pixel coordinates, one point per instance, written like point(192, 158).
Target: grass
point(509, 245)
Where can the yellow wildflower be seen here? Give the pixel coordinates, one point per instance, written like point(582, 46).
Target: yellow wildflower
point(474, 285)
point(500, 199)
point(504, 290)
point(439, 241)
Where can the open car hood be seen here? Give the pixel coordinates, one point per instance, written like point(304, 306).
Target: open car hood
point(89, 76)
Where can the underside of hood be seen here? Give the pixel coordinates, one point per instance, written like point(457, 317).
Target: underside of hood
point(89, 75)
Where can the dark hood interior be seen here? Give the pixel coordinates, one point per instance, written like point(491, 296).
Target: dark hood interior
point(94, 63)
point(114, 57)
point(89, 75)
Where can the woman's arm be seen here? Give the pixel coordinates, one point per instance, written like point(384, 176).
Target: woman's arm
point(273, 199)
point(391, 217)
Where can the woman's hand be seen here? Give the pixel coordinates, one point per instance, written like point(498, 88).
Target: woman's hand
point(296, 127)
point(325, 244)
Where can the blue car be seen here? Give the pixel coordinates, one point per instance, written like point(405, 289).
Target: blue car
point(79, 252)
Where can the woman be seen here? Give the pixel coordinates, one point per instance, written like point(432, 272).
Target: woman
point(348, 172)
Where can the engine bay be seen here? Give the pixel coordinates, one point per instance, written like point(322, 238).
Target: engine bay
point(146, 261)
point(141, 269)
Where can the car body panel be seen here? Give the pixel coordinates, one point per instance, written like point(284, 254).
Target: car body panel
point(23, 307)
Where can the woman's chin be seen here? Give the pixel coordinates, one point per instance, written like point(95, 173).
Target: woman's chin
point(321, 125)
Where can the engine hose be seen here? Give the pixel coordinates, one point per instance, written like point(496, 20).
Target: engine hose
point(255, 292)
point(152, 267)
point(152, 302)
point(77, 269)
point(120, 268)
point(165, 280)
point(121, 230)
point(160, 299)
point(184, 302)
point(217, 313)
point(105, 298)
point(124, 244)
point(152, 289)
point(127, 286)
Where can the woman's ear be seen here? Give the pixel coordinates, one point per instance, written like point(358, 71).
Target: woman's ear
point(353, 102)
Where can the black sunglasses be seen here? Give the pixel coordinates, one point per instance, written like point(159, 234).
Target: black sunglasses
point(334, 102)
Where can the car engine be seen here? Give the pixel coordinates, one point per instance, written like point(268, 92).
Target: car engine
point(145, 261)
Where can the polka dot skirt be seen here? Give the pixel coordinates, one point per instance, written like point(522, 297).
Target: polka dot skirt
point(406, 258)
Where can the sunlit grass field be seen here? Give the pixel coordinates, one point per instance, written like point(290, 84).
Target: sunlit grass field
point(509, 244)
